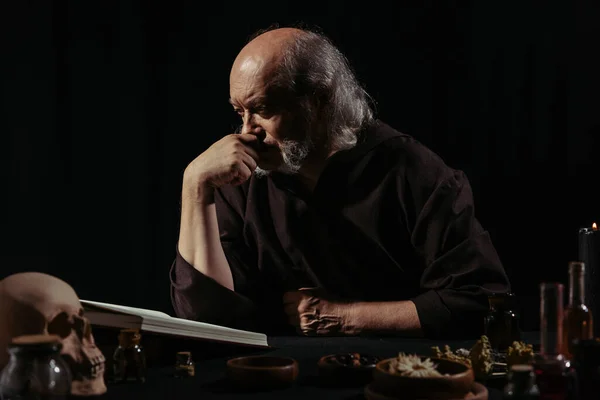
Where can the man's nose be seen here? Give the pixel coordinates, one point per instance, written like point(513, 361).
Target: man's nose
point(251, 127)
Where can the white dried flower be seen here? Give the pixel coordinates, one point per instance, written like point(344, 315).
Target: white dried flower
point(463, 352)
point(413, 366)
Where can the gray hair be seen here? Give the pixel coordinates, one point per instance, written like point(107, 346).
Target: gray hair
point(319, 76)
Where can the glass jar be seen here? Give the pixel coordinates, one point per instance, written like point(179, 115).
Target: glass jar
point(184, 365)
point(521, 383)
point(35, 370)
point(502, 321)
point(129, 359)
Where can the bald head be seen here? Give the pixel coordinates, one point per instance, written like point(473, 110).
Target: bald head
point(261, 56)
point(267, 47)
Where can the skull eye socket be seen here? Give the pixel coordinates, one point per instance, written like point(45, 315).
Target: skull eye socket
point(60, 325)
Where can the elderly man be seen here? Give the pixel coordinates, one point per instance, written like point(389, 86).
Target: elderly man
point(317, 217)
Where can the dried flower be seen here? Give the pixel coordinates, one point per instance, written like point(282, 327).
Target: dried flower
point(519, 353)
point(462, 352)
point(413, 366)
point(460, 355)
point(482, 359)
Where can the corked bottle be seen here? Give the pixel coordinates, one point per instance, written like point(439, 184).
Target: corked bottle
point(502, 322)
point(129, 359)
point(184, 365)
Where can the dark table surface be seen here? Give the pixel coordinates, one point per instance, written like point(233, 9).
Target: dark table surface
point(210, 381)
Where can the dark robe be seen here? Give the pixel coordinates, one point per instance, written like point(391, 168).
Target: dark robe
point(388, 220)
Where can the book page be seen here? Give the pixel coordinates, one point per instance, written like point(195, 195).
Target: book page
point(252, 340)
point(184, 324)
point(156, 321)
point(126, 310)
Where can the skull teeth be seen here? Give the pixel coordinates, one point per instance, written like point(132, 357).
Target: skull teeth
point(97, 366)
point(96, 370)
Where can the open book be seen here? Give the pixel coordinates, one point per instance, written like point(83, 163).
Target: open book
point(123, 317)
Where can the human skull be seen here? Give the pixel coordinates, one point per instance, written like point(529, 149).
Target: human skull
point(37, 303)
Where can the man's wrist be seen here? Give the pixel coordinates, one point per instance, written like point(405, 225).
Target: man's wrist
point(393, 316)
point(353, 324)
point(197, 191)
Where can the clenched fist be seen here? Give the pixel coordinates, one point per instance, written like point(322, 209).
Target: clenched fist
point(313, 313)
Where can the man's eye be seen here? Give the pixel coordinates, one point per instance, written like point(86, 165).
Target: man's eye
point(262, 111)
point(238, 111)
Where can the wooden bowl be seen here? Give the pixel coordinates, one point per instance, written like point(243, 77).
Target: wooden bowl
point(262, 372)
point(456, 382)
point(347, 369)
point(478, 392)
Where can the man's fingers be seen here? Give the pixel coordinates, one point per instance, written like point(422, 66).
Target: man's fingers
point(248, 144)
point(242, 175)
point(247, 137)
point(250, 140)
point(250, 162)
point(308, 324)
point(251, 151)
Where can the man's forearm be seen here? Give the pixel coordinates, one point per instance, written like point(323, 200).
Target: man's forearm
point(394, 317)
point(199, 243)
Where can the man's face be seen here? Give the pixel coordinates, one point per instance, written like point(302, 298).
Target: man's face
point(267, 113)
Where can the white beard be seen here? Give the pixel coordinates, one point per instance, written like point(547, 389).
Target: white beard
point(294, 153)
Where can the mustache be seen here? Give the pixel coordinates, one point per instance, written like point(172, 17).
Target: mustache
point(293, 152)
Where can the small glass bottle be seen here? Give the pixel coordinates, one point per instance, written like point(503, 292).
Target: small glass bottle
point(521, 383)
point(554, 373)
point(502, 322)
point(577, 321)
point(129, 359)
point(184, 365)
point(35, 370)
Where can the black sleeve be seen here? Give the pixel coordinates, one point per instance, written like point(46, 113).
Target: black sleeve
point(462, 266)
point(198, 297)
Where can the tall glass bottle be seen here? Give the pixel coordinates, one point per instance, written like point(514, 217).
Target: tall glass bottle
point(551, 317)
point(577, 321)
point(553, 371)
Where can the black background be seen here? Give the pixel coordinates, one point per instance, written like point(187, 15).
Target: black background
point(105, 103)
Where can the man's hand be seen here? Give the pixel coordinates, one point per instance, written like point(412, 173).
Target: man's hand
point(312, 313)
point(231, 160)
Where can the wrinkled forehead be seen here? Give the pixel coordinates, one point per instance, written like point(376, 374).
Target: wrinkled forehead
point(42, 292)
point(252, 72)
